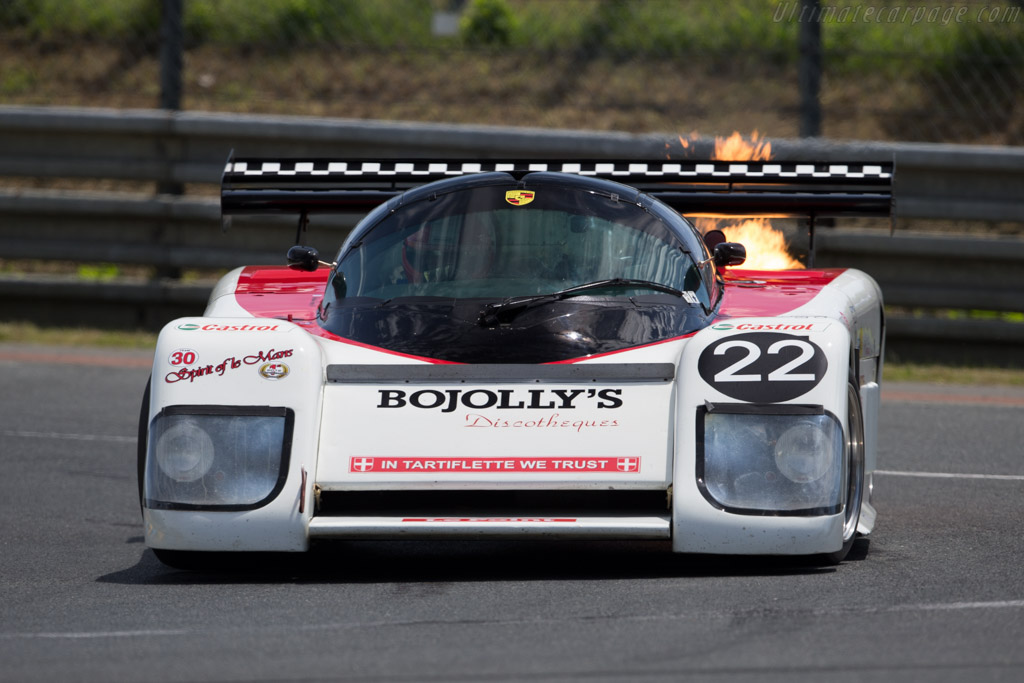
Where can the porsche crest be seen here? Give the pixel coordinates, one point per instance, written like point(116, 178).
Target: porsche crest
point(519, 197)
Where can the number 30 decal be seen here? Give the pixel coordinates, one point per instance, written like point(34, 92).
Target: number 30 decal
point(183, 357)
point(763, 367)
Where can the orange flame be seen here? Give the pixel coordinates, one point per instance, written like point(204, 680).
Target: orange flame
point(735, 148)
point(766, 246)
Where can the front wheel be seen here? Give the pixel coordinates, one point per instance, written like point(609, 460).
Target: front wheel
point(143, 436)
point(214, 561)
point(854, 473)
point(194, 560)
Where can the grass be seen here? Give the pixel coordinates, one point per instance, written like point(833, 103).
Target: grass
point(508, 88)
point(626, 65)
point(658, 27)
point(27, 333)
point(948, 374)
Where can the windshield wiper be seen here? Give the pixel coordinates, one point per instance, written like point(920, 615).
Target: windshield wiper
point(505, 311)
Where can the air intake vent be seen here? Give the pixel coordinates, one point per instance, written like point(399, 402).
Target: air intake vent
point(491, 503)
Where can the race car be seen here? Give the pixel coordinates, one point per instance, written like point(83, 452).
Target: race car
point(522, 350)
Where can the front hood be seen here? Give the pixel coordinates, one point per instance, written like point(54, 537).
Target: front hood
point(448, 329)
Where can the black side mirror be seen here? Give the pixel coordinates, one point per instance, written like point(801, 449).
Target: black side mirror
point(712, 238)
point(303, 258)
point(338, 284)
point(729, 254)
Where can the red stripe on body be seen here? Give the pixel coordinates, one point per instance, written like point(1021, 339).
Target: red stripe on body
point(280, 292)
point(294, 295)
point(287, 294)
point(768, 293)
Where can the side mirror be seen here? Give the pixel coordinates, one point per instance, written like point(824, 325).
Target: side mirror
point(729, 254)
point(338, 285)
point(303, 258)
point(712, 238)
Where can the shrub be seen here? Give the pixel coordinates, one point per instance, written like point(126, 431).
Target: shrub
point(488, 23)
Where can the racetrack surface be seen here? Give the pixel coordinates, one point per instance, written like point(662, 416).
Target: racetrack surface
point(939, 597)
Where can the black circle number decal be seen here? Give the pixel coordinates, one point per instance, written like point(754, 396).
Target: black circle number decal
point(763, 367)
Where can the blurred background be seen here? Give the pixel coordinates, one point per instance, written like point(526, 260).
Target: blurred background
point(938, 72)
point(116, 117)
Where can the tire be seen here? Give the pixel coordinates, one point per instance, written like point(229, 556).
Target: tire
point(854, 494)
point(214, 561)
point(194, 560)
point(143, 435)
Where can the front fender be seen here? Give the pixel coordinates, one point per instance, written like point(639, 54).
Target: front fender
point(756, 366)
point(227, 364)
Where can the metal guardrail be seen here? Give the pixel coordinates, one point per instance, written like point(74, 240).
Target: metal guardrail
point(176, 148)
point(966, 182)
point(934, 273)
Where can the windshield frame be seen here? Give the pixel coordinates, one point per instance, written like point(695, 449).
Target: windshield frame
point(593, 200)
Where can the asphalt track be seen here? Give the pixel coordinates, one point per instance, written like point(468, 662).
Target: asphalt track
point(936, 595)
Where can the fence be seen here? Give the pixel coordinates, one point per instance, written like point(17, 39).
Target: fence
point(886, 70)
point(172, 233)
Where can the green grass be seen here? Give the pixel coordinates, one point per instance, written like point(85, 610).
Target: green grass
point(97, 19)
point(947, 374)
point(27, 333)
point(728, 29)
point(98, 272)
point(230, 22)
point(625, 65)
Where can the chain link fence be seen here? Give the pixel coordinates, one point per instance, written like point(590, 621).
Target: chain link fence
point(886, 70)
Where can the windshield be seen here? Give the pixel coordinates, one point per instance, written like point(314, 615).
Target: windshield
point(502, 241)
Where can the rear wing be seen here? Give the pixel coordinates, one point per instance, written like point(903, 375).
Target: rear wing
point(694, 188)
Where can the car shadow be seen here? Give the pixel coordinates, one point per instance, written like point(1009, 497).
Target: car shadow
point(467, 561)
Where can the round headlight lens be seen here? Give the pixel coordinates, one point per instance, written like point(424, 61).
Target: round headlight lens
point(804, 453)
point(184, 451)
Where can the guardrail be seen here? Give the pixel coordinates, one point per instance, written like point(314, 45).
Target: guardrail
point(189, 149)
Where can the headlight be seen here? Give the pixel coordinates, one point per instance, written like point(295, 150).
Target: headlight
point(217, 456)
point(758, 463)
point(184, 451)
point(804, 453)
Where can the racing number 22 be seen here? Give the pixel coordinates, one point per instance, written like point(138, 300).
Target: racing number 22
point(763, 367)
point(782, 374)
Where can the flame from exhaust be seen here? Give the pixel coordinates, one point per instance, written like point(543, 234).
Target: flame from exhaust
point(735, 148)
point(766, 245)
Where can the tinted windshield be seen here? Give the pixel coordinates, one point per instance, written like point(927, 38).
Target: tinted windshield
point(500, 241)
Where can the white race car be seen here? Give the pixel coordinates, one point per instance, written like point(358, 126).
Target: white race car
point(522, 350)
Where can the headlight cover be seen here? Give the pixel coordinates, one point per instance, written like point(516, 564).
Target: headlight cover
point(752, 461)
point(217, 457)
